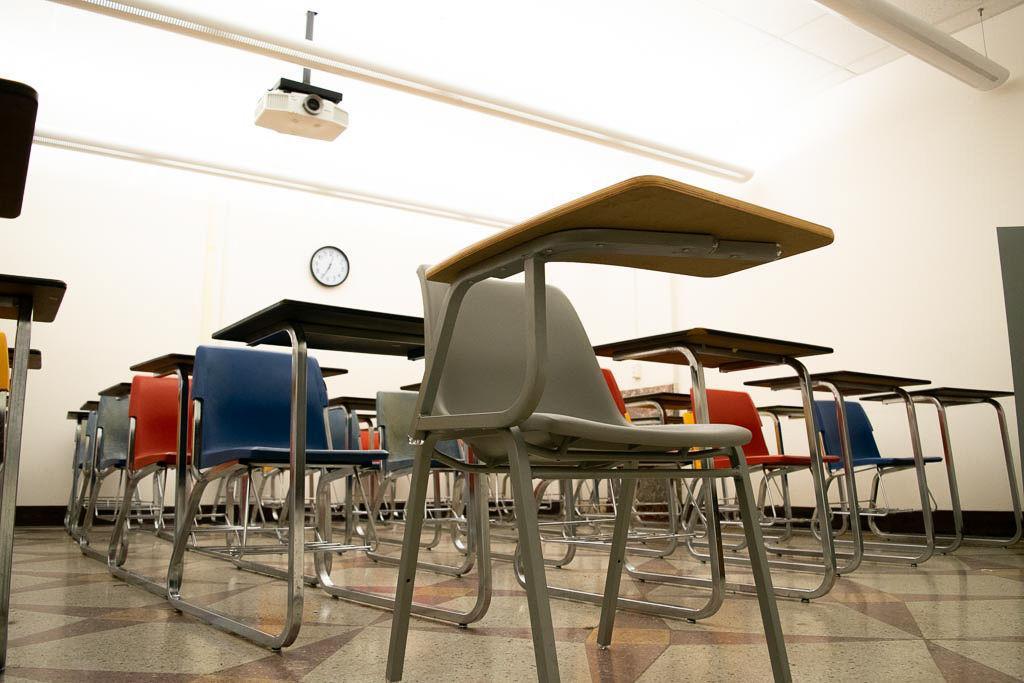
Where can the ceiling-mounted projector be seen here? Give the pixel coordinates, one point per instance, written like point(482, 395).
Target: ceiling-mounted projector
point(302, 109)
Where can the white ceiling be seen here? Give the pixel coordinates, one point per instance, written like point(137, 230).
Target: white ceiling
point(706, 75)
point(809, 27)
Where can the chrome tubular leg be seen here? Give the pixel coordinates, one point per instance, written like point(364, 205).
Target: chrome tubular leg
point(759, 567)
point(1010, 474)
point(616, 557)
point(414, 511)
point(533, 558)
point(12, 462)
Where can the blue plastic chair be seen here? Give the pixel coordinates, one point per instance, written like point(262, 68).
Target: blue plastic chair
point(862, 438)
point(344, 428)
point(246, 399)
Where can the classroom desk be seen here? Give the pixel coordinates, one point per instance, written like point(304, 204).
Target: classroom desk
point(301, 326)
point(26, 300)
point(662, 402)
point(329, 328)
point(775, 413)
point(119, 390)
point(364, 408)
point(35, 358)
point(650, 223)
point(18, 105)
point(942, 398)
point(180, 365)
point(90, 406)
point(701, 348)
point(354, 403)
point(844, 384)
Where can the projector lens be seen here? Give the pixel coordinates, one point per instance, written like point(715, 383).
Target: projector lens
point(313, 104)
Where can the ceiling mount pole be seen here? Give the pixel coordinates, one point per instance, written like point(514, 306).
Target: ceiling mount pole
point(310, 18)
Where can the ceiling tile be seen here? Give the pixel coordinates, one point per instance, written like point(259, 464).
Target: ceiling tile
point(835, 39)
point(776, 17)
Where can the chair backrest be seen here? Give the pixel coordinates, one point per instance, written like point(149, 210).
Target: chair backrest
point(112, 418)
point(153, 404)
point(862, 438)
point(5, 369)
point(246, 399)
point(341, 428)
point(613, 387)
point(395, 413)
point(737, 408)
point(84, 449)
point(486, 363)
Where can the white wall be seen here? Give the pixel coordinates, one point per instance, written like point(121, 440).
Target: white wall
point(913, 171)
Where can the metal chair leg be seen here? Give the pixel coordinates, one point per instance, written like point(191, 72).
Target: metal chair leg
point(759, 568)
point(414, 511)
point(533, 558)
point(616, 557)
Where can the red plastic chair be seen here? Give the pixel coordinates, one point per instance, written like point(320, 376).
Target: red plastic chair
point(364, 440)
point(153, 404)
point(737, 408)
point(613, 387)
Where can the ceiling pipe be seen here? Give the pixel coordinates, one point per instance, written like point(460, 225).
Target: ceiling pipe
point(249, 175)
point(922, 40)
point(304, 54)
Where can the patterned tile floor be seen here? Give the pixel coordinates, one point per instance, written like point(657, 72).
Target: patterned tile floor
point(956, 618)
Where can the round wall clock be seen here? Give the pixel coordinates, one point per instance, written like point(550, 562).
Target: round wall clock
point(329, 266)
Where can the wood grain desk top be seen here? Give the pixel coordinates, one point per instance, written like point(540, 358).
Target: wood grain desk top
point(332, 372)
point(78, 415)
point(848, 382)
point(35, 358)
point(668, 400)
point(331, 328)
point(411, 387)
point(90, 406)
point(950, 396)
point(117, 390)
point(166, 364)
point(657, 204)
point(352, 403)
point(46, 296)
point(726, 351)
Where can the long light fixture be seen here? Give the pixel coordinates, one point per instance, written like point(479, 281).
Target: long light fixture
point(311, 56)
point(158, 158)
point(921, 39)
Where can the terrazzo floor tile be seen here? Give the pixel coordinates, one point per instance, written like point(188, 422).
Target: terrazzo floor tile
point(957, 618)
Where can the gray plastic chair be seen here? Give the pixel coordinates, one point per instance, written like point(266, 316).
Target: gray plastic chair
point(109, 455)
point(575, 425)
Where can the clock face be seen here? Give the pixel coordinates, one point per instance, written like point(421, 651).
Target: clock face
point(329, 266)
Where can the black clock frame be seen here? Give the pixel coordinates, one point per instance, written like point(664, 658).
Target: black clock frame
point(343, 255)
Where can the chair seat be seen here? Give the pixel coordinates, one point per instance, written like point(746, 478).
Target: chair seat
point(769, 461)
point(171, 459)
point(117, 463)
point(280, 456)
point(449, 448)
point(547, 430)
point(890, 462)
